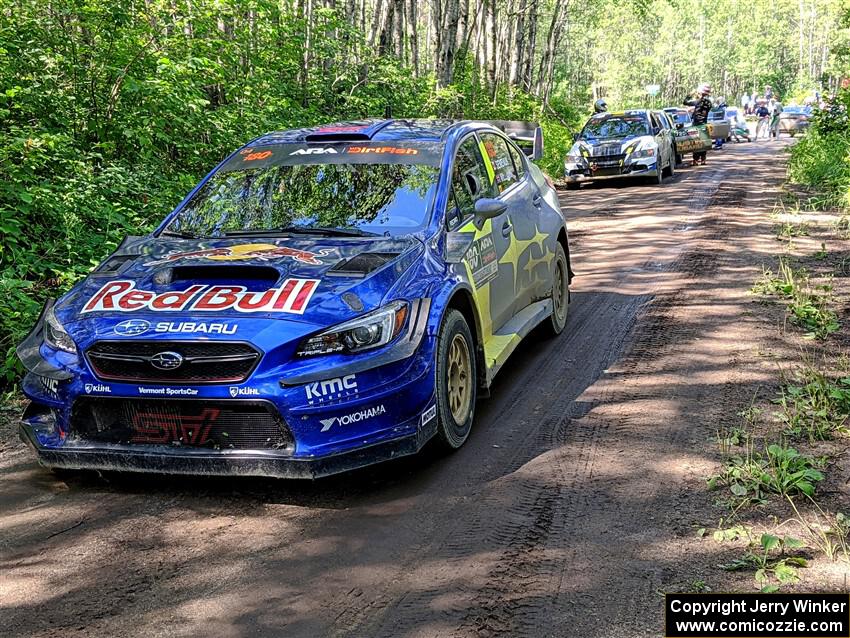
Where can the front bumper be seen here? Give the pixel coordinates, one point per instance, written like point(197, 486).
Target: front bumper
point(577, 174)
point(204, 462)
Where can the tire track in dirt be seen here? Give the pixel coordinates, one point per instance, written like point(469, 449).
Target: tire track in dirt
point(556, 512)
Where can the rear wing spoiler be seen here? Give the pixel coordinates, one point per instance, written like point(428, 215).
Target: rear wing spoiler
point(527, 135)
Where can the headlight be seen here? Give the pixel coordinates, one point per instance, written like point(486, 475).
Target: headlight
point(573, 159)
point(55, 334)
point(646, 152)
point(372, 330)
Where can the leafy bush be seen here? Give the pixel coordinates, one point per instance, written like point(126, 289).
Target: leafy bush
point(821, 159)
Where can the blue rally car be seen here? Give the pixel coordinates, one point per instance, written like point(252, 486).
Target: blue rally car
point(324, 299)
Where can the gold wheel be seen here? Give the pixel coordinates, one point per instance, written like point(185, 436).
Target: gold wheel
point(559, 295)
point(460, 380)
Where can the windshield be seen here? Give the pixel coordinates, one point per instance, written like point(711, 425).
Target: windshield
point(365, 188)
point(615, 126)
point(680, 117)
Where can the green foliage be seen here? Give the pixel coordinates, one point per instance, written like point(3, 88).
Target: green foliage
point(815, 406)
point(771, 561)
point(821, 159)
point(752, 474)
point(807, 304)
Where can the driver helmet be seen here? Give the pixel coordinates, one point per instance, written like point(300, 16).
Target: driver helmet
point(600, 106)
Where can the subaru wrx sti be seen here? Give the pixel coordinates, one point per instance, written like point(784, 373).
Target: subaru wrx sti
point(324, 299)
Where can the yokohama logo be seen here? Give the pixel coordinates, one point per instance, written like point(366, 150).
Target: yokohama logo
point(123, 296)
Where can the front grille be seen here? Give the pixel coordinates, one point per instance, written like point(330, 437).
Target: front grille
point(607, 149)
point(220, 425)
point(202, 361)
point(614, 158)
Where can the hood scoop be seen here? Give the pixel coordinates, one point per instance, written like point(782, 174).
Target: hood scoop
point(217, 274)
point(361, 265)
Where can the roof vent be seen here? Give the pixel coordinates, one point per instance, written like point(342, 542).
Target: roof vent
point(346, 131)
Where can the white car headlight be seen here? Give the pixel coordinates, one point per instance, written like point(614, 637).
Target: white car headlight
point(644, 152)
point(371, 330)
point(574, 159)
point(55, 334)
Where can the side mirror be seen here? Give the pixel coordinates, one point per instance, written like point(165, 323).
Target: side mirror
point(488, 208)
point(656, 130)
point(680, 125)
point(575, 137)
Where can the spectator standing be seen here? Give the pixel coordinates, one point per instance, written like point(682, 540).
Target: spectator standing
point(745, 102)
point(774, 118)
point(763, 115)
point(701, 102)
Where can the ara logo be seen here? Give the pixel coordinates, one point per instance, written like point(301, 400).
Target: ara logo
point(331, 389)
point(236, 391)
point(315, 151)
point(354, 417)
point(97, 387)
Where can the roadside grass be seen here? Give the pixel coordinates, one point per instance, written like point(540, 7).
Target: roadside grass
point(774, 559)
point(827, 532)
point(757, 469)
point(788, 230)
point(772, 461)
point(807, 304)
point(814, 406)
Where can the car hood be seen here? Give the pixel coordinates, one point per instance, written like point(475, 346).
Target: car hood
point(310, 281)
point(613, 144)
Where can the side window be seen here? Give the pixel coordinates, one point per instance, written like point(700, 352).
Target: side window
point(500, 159)
point(470, 181)
point(518, 165)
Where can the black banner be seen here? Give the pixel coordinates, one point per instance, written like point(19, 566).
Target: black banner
point(757, 616)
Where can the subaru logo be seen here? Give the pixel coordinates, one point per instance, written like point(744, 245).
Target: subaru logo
point(132, 327)
point(167, 360)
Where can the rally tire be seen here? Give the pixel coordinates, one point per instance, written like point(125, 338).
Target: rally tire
point(671, 167)
point(554, 325)
point(658, 178)
point(456, 381)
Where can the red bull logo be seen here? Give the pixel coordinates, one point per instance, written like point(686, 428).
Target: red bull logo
point(123, 296)
point(254, 252)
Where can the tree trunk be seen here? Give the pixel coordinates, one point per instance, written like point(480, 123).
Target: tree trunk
point(490, 44)
point(446, 57)
point(413, 35)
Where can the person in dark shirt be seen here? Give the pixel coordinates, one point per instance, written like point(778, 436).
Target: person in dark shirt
point(763, 115)
point(701, 102)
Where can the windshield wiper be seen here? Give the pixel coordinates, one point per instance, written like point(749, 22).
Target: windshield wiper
point(174, 233)
point(302, 230)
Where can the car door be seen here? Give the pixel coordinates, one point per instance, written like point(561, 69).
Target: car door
point(490, 258)
point(524, 201)
point(661, 136)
